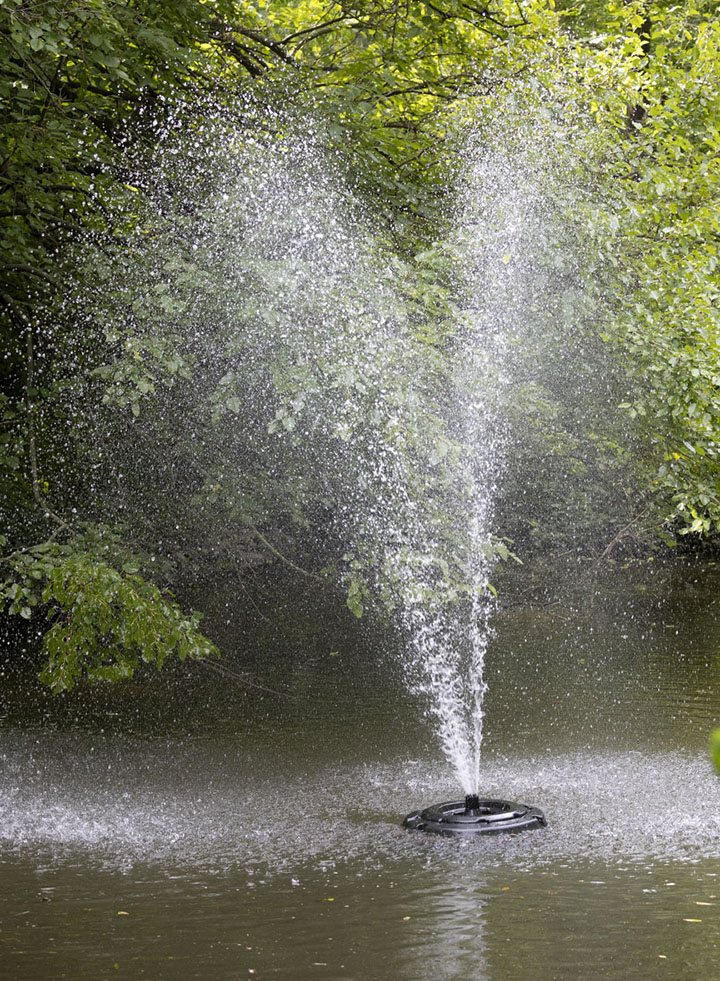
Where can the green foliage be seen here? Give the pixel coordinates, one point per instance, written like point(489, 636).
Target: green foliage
point(660, 241)
point(246, 399)
point(105, 620)
point(72, 76)
point(302, 383)
point(389, 73)
point(85, 89)
point(714, 746)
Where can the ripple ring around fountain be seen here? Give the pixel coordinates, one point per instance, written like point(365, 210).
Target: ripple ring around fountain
point(484, 817)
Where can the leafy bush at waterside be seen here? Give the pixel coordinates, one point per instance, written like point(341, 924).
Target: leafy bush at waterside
point(103, 620)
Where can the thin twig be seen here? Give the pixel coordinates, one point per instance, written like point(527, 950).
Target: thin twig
point(288, 562)
point(241, 679)
point(608, 548)
point(308, 30)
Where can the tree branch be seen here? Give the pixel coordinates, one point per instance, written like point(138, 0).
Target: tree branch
point(319, 28)
point(31, 271)
point(279, 555)
point(274, 46)
point(241, 54)
point(245, 55)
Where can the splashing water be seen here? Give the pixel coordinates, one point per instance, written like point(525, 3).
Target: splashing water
point(512, 260)
point(274, 282)
point(450, 641)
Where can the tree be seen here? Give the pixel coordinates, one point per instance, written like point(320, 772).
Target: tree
point(230, 237)
point(92, 89)
point(661, 252)
point(77, 80)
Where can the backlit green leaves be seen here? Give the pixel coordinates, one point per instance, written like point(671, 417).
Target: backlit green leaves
point(667, 278)
point(106, 622)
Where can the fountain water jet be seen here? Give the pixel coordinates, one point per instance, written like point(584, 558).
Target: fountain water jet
point(503, 245)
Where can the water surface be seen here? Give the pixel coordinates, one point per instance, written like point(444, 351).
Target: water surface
point(200, 831)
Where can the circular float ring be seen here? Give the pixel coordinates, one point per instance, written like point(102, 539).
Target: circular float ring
point(484, 817)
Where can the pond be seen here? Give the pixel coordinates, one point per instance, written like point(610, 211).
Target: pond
point(207, 832)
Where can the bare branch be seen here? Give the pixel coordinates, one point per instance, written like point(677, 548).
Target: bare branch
point(279, 555)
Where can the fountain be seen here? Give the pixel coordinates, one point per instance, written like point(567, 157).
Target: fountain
point(474, 816)
point(410, 451)
point(291, 402)
point(497, 241)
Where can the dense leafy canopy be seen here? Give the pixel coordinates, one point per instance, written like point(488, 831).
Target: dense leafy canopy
point(234, 290)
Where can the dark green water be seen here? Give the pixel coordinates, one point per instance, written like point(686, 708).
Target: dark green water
point(198, 831)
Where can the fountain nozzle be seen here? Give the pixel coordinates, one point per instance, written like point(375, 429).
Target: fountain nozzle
point(472, 804)
point(474, 816)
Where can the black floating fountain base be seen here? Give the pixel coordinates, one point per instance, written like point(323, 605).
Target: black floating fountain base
point(474, 816)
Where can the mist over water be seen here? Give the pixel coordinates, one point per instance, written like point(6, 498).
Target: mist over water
point(228, 806)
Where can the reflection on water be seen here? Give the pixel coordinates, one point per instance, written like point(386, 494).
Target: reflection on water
point(262, 834)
